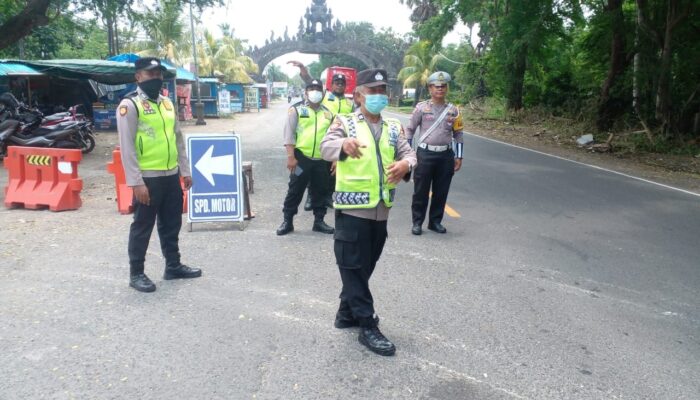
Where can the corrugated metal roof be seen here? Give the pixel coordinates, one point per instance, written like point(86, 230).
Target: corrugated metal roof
point(13, 69)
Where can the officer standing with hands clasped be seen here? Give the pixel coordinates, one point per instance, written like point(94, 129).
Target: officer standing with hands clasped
point(440, 123)
point(372, 156)
point(307, 122)
point(154, 158)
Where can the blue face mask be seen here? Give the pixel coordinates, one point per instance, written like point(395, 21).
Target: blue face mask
point(375, 103)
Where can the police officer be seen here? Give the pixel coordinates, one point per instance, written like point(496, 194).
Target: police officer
point(439, 123)
point(335, 100)
point(154, 158)
point(306, 125)
point(372, 156)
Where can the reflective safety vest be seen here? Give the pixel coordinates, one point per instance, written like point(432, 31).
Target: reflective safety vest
point(363, 182)
point(156, 148)
point(336, 104)
point(311, 128)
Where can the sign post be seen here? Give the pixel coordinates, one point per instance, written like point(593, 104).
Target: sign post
point(217, 182)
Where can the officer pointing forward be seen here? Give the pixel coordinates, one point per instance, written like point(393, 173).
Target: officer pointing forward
point(373, 156)
point(439, 123)
point(154, 158)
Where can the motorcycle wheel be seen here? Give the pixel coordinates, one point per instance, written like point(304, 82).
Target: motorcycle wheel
point(89, 146)
point(66, 144)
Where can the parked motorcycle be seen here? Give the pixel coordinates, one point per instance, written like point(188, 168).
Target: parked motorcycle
point(65, 130)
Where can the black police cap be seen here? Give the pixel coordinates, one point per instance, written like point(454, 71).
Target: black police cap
point(372, 77)
point(148, 63)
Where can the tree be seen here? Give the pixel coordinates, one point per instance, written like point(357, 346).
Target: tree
point(166, 31)
point(274, 73)
point(224, 57)
point(419, 63)
point(18, 20)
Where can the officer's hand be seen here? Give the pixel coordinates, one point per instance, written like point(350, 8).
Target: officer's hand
point(458, 164)
point(187, 180)
point(303, 72)
point(141, 194)
point(397, 170)
point(333, 165)
point(292, 164)
point(352, 146)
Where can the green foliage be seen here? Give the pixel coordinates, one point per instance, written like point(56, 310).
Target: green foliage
point(274, 73)
point(386, 41)
point(551, 55)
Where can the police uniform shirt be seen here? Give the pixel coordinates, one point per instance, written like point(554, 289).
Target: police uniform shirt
point(127, 125)
point(424, 116)
point(334, 103)
point(290, 126)
point(331, 150)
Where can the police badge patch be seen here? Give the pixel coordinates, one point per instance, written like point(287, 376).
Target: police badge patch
point(147, 109)
point(123, 110)
point(168, 105)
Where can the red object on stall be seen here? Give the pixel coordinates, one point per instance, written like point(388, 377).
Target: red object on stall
point(43, 178)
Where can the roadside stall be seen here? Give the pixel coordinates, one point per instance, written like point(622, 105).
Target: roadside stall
point(263, 94)
point(17, 79)
point(209, 92)
point(236, 96)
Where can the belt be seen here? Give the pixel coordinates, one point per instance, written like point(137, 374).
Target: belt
point(435, 148)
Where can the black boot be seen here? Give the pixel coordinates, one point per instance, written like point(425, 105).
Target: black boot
point(373, 339)
point(141, 283)
point(416, 230)
point(320, 226)
point(286, 227)
point(181, 272)
point(436, 227)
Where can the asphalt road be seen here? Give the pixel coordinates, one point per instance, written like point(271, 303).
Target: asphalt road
point(556, 281)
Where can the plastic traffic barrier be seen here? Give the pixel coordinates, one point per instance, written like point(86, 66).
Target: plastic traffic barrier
point(125, 194)
point(43, 178)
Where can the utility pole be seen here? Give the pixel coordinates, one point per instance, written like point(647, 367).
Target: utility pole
point(199, 107)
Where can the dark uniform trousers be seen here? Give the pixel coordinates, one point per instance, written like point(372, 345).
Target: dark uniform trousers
point(436, 169)
point(166, 207)
point(358, 245)
point(315, 174)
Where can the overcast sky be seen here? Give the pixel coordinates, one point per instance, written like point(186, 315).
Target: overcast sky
point(253, 20)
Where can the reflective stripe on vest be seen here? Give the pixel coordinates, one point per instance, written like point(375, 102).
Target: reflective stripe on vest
point(363, 182)
point(311, 128)
point(337, 105)
point(156, 148)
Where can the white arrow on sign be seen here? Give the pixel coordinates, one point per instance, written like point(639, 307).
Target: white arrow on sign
point(208, 165)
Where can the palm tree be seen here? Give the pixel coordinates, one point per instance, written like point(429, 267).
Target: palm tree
point(166, 30)
point(224, 57)
point(419, 62)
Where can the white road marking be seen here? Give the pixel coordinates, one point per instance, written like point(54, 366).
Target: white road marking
point(574, 161)
point(587, 165)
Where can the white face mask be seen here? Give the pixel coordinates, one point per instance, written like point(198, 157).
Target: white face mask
point(314, 96)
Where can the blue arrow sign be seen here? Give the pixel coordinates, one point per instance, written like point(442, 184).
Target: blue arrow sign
point(215, 162)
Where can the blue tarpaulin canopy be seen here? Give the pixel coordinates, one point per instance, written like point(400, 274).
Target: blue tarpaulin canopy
point(181, 73)
point(15, 69)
